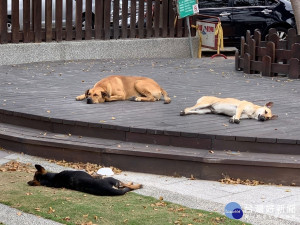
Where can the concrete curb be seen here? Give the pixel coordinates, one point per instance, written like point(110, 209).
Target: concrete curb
point(11, 54)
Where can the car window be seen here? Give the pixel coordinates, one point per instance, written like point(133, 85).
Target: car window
point(213, 3)
point(239, 3)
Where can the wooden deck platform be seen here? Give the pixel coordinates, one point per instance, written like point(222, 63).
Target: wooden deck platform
point(41, 97)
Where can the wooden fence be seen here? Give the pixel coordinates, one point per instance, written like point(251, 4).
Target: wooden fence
point(270, 57)
point(58, 20)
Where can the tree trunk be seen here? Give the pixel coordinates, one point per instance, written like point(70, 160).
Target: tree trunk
point(296, 9)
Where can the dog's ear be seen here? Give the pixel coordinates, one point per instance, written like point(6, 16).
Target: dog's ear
point(105, 94)
point(87, 92)
point(274, 117)
point(40, 169)
point(269, 104)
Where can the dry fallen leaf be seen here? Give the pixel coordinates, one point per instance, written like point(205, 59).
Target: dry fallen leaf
point(90, 168)
point(17, 166)
point(228, 180)
point(67, 218)
point(51, 210)
point(192, 177)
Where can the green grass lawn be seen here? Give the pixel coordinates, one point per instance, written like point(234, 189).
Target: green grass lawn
point(72, 207)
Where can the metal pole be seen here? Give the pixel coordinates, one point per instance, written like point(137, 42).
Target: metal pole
point(190, 36)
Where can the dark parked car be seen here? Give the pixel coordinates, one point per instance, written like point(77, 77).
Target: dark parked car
point(238, 16)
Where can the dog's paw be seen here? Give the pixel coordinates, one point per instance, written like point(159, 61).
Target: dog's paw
point(133, 98)
point(233, 120)
point(167, 101)
point(182, 113)
point(237, 121)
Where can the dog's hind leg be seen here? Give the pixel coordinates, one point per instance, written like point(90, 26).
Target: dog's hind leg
point(147, 91)
point(113, 182)
point(131, 185)
point(117, 183)
point(196, 109)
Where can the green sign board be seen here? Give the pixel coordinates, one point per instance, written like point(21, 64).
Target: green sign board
point(187, 8)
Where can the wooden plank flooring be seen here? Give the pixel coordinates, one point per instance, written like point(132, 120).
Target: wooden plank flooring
point(49, 89)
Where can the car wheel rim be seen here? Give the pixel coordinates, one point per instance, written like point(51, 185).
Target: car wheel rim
point(281, 35)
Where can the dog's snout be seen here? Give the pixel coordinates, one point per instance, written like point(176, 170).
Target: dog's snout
point(89, 101)
point(261, 118)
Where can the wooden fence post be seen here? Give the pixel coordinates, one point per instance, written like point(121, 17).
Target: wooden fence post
point(99, 9)
point(275, 39)
point(69, 25)
point(106, 25)
point(156, 18)
point(296, 51)
point(3, 21)
point(242, 46)
point(26, 21)
point(78, 20)
point(237, 60)
point(247, 63)
point(291, 38)
point(165, 18)
point(58, 21)
point(266, 71)
point(294, 68)
point(37, 17)
point(15, 21)
point(270, 51)
point(248, 36)
point(88, 19)
point(133, 19)
point(149, 19)
point(257, 37)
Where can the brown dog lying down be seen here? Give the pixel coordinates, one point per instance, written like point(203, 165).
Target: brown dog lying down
point(81, 181)
point(231, 107)
point(120, 88)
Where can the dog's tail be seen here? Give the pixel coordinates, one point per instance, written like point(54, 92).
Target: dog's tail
point(166, 97)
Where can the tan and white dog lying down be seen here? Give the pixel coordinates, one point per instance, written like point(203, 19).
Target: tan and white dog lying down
point(120, 88)
point(231, 107)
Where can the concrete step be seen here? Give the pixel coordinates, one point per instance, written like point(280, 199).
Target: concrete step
point(151, 158)
point(152, 136)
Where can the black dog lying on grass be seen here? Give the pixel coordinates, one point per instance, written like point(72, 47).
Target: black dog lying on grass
point(81, 181)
